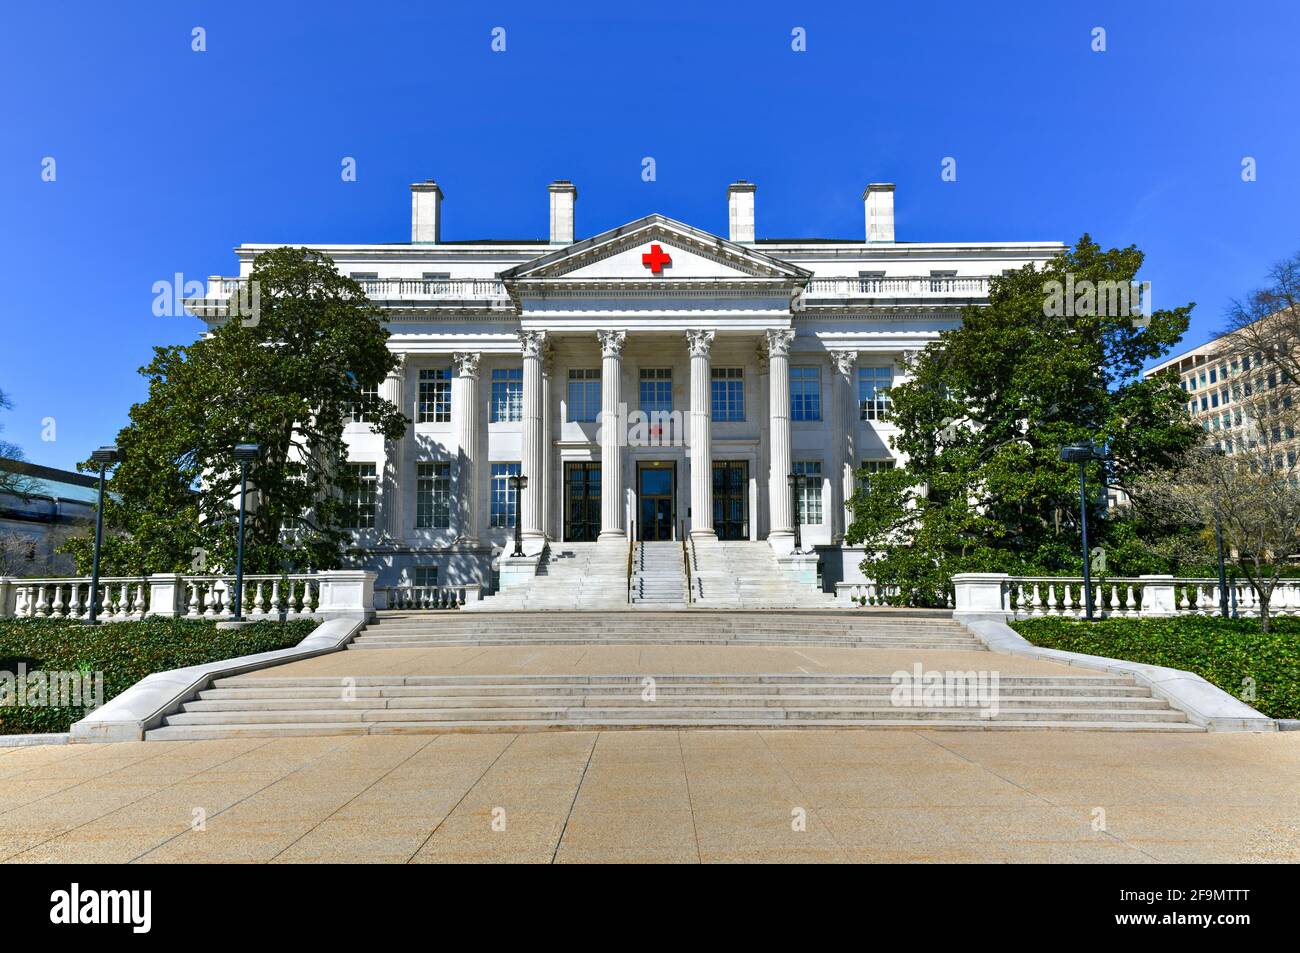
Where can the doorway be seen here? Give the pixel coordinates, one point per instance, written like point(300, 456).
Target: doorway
point(656, 482)
point(731, 499)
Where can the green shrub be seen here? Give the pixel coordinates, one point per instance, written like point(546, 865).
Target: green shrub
point(124, 652)
point(1225, 652)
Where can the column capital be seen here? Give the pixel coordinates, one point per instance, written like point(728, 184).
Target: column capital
point(466, 363)
point(532, 342)
point(611, 343)
point(779, 341)
point(844, 361)
point(399, 370)
point(908, 356)
point(548, 357)
point(699, 341)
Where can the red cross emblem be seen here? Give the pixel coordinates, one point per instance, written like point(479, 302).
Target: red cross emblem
point(656, 258)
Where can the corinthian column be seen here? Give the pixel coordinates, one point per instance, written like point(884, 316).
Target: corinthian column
point(611, 437)
point(531, 343)
point(464, 415)
point(841, 430)
point(393, 390)
point(548, 488)
point(700, 344)
point(781, 531)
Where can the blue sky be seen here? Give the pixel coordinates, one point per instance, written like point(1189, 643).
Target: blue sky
point(167, 158)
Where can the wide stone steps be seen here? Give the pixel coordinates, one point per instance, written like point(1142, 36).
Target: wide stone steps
point(280, 706)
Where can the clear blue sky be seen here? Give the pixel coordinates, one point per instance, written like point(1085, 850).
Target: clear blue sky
point(167, 158)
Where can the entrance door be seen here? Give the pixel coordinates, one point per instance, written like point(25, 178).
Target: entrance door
point(654, 493)
point(731, 499)
point(581, 502)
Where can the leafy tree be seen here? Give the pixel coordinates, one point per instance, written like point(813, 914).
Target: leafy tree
point(1252, 495)
point(1050, 361)
point(11, 481)
point(286, 379)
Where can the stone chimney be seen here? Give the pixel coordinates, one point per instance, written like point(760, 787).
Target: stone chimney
point(564, 196)
point(740, 210)
point(879, 202)
point(426, 212)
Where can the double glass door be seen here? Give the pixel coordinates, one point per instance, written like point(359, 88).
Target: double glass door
point(655, 508)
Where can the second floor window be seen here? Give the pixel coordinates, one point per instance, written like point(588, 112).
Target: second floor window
point(727, 393)
point(870, 468)
point(433, 495)
point(435, 396)
point(873, 391)
point(656, 392)
point(507, 395)
point(361, 410)
point(583, 402)
point(805, 393)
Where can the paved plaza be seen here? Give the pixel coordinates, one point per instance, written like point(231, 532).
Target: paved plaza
point(672, 796)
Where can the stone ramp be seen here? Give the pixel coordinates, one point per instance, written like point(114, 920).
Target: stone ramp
point(247, 706)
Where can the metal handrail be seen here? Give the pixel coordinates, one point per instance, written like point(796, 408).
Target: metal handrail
point(631, 546)
point(686, 563)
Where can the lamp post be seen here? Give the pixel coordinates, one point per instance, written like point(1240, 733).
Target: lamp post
point(1083, 454)
point(104, 456)
point(245, 453)
point(517, 483)
point(797, 482)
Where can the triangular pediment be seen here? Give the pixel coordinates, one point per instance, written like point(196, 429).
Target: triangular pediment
point(655, 248)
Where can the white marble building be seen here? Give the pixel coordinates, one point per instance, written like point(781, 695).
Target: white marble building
point(751, 357)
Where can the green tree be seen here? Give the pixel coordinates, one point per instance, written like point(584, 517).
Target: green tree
point(1051, 360)
point(285, 378)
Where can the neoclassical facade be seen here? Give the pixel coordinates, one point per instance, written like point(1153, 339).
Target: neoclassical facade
point(654, 380)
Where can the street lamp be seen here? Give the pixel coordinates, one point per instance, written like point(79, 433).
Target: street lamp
point(245, 453)
point(1083, 454)
point(104, 456)
point(517, 483)
point(797, 482)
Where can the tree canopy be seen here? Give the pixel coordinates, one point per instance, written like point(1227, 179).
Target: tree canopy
point(285, 378)
point(988, 408)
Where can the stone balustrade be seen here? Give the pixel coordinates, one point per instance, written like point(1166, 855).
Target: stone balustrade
point(871, 593)
point(427, 597)
point(321, 595)
point(897, 286)
point(1031, 597)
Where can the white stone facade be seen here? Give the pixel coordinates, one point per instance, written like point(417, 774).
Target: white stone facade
point(766, 355)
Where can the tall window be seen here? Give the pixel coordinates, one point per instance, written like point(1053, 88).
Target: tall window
point(870, 467)
point(810, 500)
point(426, 577)
point(805, 393)
point(656, 392)
point(507, 394)
point(359, 504)
point(727, 393)
point(584, 394)
point(435, 396)
point(873, 391)
point(361, 410)
point(433, 495)
point(503, 497)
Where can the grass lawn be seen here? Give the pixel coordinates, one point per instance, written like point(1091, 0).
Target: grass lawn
point(1227, 652)
point(124, 652)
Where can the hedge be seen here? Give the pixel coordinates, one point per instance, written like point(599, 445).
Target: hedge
point(124, 652)
point(1225, 652)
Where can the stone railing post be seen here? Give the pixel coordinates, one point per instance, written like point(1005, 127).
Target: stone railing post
point(167, 596)
point(1158, 596)
point(980, 593)
point(345, 593)
point(473, 592)
point(8, 598)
